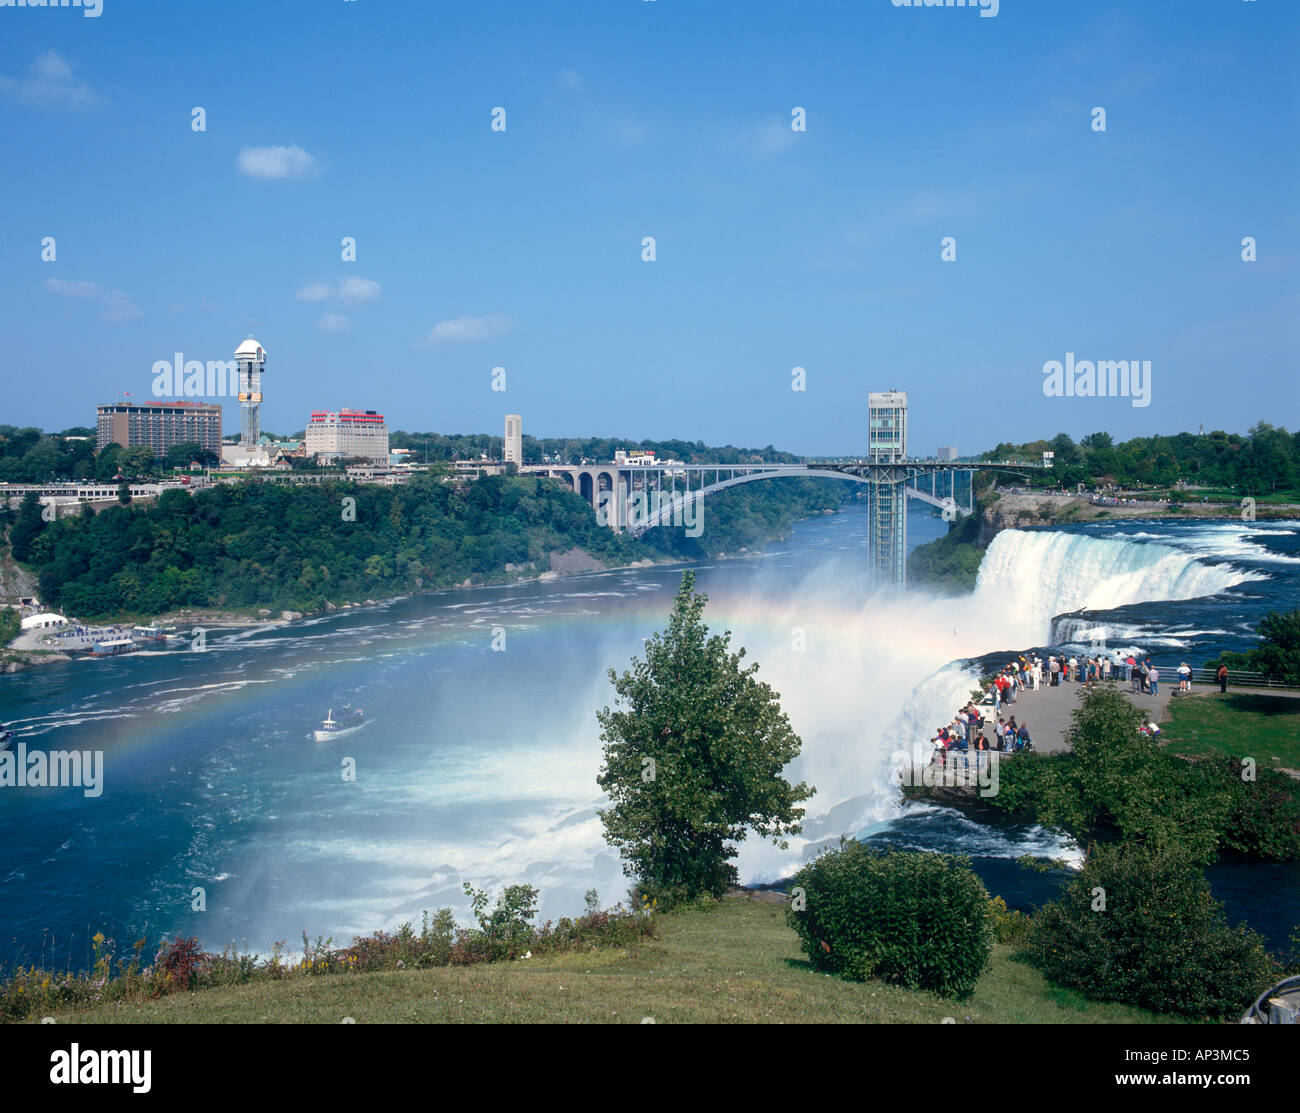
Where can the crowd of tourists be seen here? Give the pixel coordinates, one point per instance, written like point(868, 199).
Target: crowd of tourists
point(970, 729)
point(1114, 500)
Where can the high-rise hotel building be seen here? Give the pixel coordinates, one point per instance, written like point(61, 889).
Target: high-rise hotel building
point(514, 446)
point(354, 433)
point(159, 425)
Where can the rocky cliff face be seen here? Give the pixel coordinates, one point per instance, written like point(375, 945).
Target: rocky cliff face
point(15, 584)
point(1010, 511)
point(575, 560)
point(994, 519)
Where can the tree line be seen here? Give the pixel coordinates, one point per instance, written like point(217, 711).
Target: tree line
point(255, 545)
point(1264, 461)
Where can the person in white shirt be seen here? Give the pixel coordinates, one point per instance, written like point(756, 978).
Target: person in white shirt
point(1184, 677)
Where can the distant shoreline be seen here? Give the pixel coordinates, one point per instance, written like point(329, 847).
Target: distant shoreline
point(18, 660)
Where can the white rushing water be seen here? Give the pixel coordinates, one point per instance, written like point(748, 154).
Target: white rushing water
point(844, 697)
point(1042, 574)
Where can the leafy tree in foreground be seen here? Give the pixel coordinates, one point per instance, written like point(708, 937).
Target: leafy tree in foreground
point(693, 759)
point(1139, 926)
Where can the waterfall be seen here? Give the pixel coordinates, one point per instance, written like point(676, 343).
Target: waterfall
point(1041, 574)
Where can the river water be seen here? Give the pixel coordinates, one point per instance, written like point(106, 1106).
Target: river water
point(479, 763)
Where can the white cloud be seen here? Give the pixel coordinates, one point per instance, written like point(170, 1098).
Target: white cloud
point(50, 84)
point(315, 291)
point(333, 322)
point(351, 291)
point(277, 163)
point(462, 329)
point(117, 306)
point(73, 289)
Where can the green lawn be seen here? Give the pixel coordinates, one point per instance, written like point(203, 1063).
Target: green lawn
point(737, 962)
point(1244, 724)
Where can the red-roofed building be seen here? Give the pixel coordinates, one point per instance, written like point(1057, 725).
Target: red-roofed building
point(332, 434)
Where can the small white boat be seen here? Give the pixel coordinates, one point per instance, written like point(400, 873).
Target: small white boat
point(6, 737)
point(348, 720)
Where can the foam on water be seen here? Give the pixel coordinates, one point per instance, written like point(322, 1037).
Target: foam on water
point(1046, 573)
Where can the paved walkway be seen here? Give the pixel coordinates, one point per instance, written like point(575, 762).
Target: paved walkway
point(1046, 712)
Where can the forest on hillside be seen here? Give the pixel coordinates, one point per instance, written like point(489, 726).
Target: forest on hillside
point(254, 545)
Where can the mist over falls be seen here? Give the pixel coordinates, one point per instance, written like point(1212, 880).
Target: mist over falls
point(480, 766)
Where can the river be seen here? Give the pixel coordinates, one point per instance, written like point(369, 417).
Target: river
point(479, 763)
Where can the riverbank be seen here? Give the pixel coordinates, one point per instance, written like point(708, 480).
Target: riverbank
point(736, 962)
point(418, 539)
point(26, 651)
point(1017, 509)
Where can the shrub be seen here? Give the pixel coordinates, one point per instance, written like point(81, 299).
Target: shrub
point(181, 961)
point(1139, 926)
point(1009, 925)
point(1115, 780)
point(1264, 812)
point(913, 919)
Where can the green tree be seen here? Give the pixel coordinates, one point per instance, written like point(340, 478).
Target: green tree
point(1140, 926)
point(27, 528)
point(1115, 779)
point(11, 625)
point(107, 463)
point(1279, 655)
point(138, 462)
point(182, 455)
point(694, 758)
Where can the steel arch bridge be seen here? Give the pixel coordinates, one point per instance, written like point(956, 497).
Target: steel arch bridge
point(641, 497)
point(679, 502)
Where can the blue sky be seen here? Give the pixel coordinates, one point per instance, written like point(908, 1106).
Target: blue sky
point(633, 118)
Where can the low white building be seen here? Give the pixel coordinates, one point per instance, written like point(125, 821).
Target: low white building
point(47, 620)
point(237, 456)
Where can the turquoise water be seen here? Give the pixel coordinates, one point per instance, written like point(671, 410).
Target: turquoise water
point(479, 764)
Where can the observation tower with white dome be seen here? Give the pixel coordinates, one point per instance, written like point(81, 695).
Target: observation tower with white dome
point(251, 358)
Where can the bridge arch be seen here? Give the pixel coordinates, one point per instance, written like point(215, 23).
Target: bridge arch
point(673, 503)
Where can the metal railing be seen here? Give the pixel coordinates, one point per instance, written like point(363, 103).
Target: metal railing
point(1237, 678)
point(1259, 1013)
point(970, 758)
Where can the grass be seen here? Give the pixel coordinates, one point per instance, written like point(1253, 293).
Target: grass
point(735, 962)
point(1242, 724)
